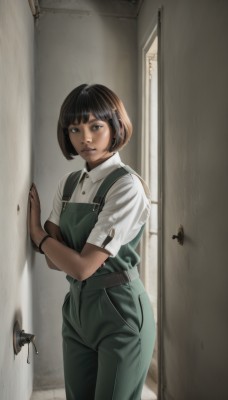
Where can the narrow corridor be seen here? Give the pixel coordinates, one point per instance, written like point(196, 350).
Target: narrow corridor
point(59, 394)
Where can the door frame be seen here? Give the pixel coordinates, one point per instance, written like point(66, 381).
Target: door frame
point(156, 31)
point(161, 202)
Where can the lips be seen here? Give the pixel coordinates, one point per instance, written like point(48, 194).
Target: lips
point(87, 150)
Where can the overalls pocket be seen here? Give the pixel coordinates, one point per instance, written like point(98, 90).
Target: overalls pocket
point(123, 308)
point(147, 312)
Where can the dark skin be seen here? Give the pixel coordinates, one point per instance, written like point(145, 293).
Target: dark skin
point(91, 141)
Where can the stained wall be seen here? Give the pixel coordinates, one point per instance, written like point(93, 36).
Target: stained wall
point(16, 129)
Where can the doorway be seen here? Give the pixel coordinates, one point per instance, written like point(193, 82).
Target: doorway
point(150, 160)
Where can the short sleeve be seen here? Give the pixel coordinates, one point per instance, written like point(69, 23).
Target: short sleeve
point(126, 210)
point(57, 202)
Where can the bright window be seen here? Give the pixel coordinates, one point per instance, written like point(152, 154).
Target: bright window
point(149, 169)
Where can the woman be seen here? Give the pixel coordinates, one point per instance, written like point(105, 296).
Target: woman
point(96, 223)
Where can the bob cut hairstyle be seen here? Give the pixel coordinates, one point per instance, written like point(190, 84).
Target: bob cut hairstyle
point(104, 105)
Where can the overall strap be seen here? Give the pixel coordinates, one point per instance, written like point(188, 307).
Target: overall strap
point(69, 186)
point(107, 184)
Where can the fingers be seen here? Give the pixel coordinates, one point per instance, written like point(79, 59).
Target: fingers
point(33, 195)
point(33, 189)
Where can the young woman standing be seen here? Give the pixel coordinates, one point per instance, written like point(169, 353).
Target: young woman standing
point(94, 228)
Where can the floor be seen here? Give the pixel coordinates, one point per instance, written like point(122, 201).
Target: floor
point(59, 394)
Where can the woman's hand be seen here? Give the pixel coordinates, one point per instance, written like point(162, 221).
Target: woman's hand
point(36, 230)
point(59, 256)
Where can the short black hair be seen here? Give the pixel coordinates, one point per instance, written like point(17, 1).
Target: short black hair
point(99, 101)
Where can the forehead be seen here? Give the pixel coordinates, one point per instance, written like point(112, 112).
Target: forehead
point(91, 118)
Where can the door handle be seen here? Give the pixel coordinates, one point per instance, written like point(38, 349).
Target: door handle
point(180, 235)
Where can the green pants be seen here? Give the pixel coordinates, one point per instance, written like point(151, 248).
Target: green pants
point(108, 341)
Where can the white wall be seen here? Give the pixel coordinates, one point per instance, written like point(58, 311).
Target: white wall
point(195, 164)
point(72, 48)
point(16, 125)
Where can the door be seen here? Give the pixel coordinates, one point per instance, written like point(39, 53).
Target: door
point(193, 328)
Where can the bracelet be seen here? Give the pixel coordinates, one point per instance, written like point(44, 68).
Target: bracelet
point(42, 241)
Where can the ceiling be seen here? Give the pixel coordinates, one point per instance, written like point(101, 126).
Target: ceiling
point(118, 8)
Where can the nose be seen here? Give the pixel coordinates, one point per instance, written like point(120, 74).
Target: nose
point(86, 136)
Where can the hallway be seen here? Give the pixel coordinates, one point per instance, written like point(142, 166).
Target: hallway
point(59, 394)
point(44, 53)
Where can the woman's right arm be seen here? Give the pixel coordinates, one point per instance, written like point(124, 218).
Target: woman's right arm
point(54, 231)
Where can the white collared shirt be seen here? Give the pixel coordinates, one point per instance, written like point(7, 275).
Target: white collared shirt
point(126, 208)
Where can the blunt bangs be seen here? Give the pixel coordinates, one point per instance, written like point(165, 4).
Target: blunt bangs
point(80, 106)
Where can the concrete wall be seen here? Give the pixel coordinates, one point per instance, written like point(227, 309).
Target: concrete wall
point(195, 164)
point(72, 48)
point(16, 126)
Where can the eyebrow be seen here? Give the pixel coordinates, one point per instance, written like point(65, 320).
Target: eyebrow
point(90, 121)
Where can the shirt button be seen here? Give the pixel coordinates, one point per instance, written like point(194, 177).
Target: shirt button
point(83, 192)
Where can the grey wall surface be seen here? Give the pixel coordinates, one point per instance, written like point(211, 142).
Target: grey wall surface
point(195, 164)
point(16, 126)
point(72, 48)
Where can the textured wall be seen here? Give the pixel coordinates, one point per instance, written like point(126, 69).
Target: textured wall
point(16, 123)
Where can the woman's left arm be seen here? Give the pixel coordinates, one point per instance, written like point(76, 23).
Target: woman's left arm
point(78, 265)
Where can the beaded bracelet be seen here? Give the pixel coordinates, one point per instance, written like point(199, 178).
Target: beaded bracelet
point(42, 241)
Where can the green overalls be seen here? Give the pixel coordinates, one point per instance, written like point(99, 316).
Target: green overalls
point(108, 325)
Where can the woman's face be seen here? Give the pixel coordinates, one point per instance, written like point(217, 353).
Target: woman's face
point(91, 140)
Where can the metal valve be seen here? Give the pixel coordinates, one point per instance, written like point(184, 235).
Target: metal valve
point(20, 338)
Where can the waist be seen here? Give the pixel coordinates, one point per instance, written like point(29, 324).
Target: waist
point(107, 280)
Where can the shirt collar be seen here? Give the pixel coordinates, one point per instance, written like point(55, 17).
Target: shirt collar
point(102, 170)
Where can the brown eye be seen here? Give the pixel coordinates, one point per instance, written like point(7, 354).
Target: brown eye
point(96, 127)
point(73, 129)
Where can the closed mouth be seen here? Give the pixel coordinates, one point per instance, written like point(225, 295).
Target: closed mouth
point(87, 149)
